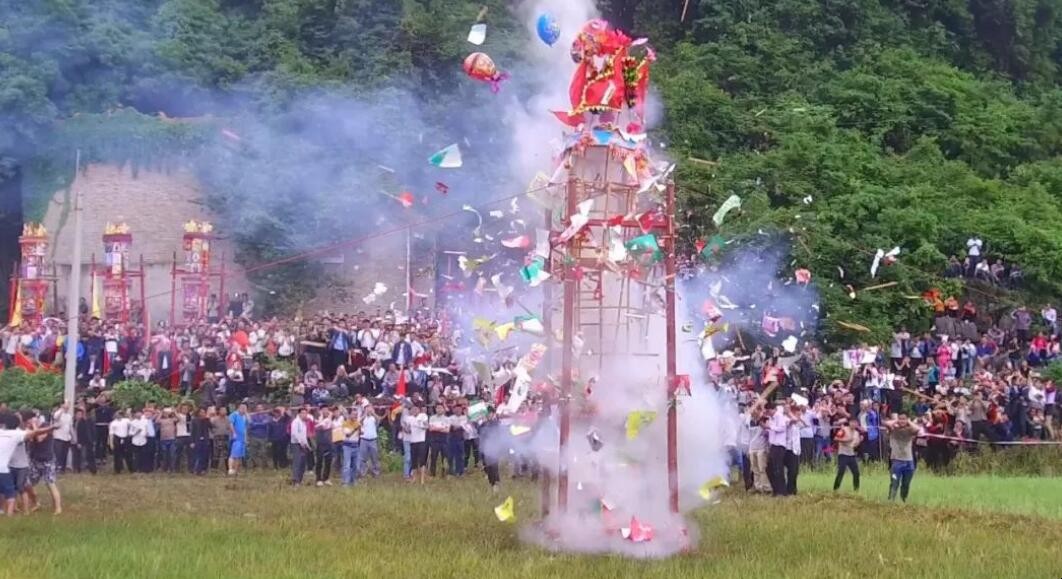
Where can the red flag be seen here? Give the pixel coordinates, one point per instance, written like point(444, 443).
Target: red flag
point(640, 532)
point(400, 388)
point(568, 119)
point(22, 361)
point(615, 220)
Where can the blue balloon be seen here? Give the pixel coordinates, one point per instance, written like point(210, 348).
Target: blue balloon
point(548, 29)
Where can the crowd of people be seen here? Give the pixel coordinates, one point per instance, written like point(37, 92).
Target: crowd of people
point(329, 392)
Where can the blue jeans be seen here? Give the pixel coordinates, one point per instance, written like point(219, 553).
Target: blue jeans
point(370, 457)
point(902, 473)
point(350, 464)
point(456, 453)
point(407, 458)
point(202, 457)
point(168, 450)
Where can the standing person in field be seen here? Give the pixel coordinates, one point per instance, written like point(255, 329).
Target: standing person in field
point(201, 442)
point(219, 437)
point(300, 447)
point(438, 439)
point(323, 444)
point(238, 423)
point(84, 442)
point(351, 442)
point(43, 466)
point(118, 432)
point(758, 448)
point(902, 433)
point(63, 419)
point(847, 439)
point(489, 433)
point(279, 439)
point(369, 452)
point(11, 437)
point(418, 429)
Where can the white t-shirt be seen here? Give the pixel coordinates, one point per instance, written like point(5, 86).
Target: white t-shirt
point(418, 428)
point(368, 428)
point(64, 426)
point(119, 427)
point(9, 441)
point(139, 430)
point(973, 246)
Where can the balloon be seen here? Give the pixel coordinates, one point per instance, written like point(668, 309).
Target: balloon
point(480, 67)
point(548, 29)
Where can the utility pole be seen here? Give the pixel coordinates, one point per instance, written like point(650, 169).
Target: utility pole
point(73, 292)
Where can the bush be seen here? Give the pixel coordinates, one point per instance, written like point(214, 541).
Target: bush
point(135, 394)
point(41, 390)
point(1011, 461)
point(831, 368)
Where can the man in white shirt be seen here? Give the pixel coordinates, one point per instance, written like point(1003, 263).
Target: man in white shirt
point(778, 421)
point(973, 251)
point(418, 432)
point(1051, 318)
point(63, 435)
point(300, 446)
point(369, 452)
point(119, 433)
point(138, 436)
point(12, 438)
point(792, 455)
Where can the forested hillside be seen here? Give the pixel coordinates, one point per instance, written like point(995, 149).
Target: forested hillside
point(845, 125)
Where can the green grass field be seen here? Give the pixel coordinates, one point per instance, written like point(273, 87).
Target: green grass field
point(258, 527)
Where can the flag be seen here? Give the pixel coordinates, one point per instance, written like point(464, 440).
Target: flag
point(477, 34)
point(505, 511)
point(529, 324)
point(731, 203)
point(645, 244)
point(477, 411)
point(637, 420)
point(23, 361)
point(95, 298)
point(716, 482)
point(503, 330)
point(637, 532)
point(400, 388)
point(535, 272)
point(16, 310)
point(518, 242)
point(448, 158)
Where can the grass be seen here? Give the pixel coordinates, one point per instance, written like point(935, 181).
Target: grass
point(258, 527)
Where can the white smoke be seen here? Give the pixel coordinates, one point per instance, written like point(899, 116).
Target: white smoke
point(612, 477)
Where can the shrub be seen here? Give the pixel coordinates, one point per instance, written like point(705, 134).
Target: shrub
point(41, 390)
point(135, 394)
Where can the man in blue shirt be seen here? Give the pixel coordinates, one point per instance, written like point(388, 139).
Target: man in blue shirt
point(259, 436)
point(238, 435)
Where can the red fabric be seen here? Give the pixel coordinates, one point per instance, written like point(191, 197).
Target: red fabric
point(400, 388)
point(23, 361)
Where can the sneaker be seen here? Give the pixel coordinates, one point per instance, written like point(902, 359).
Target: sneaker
point(328, 483)
point(232, 472)
point(320, 484)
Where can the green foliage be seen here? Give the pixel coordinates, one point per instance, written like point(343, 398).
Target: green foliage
point(40, 390)
point(831, 368)
point(909, 123)
point(135, 394)
point(1012, 461)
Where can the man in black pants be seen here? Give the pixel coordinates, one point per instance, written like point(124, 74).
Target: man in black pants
point(121, 445)
point(103, 414)
point(438, 438)
point(777, 437)
point(792, 454)
point(488, 434)
point(847, 439)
